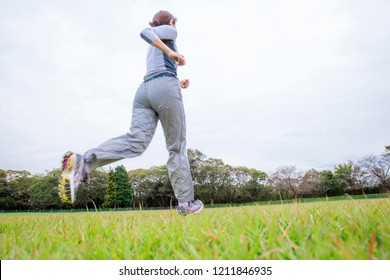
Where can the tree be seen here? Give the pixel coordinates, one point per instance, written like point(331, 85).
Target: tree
point(213, 177)
point(311, 183)
point(162, 191)
point(19, 183)
point(286, 182)
point(141, 187)
point(152, 187)
point(328, 184)
point(92, 194)
point(196, 159)
point(119, 191)
point(7, 202)
point(257, 187)
point(349, 178)
point(110, 196)
point(124, 191)
point(387, 151)
point(378, 167)
point(43, 192)
point(250, 184)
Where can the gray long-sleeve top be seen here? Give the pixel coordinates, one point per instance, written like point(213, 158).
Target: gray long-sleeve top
point(157, 61)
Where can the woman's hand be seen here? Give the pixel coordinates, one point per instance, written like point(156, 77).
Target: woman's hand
point(180, 60)
point(185, 83)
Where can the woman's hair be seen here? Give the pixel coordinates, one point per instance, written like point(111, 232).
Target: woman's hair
point(161, 18)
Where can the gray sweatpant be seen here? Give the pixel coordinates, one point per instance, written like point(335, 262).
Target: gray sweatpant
point(158, 99)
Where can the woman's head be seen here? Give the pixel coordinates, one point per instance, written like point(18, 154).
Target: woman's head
point(162, 18)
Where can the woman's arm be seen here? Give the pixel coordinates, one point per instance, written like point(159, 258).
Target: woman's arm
point(172, 54)
point(154, 37)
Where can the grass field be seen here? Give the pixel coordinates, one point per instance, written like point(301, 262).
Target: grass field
point(348, 229)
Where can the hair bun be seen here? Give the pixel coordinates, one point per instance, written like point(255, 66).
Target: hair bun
point(161, 18)
point(154, 23)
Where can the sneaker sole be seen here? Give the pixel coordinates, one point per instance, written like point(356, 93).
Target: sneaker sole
point(65, 184)
point(199, 210)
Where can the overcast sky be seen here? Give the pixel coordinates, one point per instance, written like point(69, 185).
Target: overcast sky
point(273, 83)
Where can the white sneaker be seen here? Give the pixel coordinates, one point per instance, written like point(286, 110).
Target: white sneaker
point(71, 177)
point(192, 207)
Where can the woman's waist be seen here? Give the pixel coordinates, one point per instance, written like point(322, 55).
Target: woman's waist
point(151, 76)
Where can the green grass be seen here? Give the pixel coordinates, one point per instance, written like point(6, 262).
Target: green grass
point(348, 229)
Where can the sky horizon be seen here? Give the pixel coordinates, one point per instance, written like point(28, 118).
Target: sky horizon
point(273, 83)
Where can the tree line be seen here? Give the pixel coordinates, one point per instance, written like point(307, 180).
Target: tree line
point(214, 181)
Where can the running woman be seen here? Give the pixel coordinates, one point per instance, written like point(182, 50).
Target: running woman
point(158, 98)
